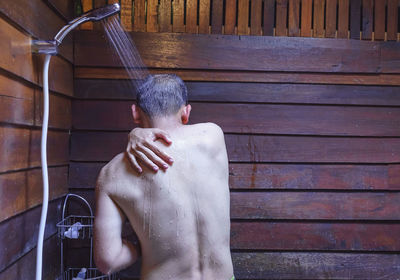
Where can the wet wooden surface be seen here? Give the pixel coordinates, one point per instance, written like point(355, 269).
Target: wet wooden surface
point(236, 92)
point(20, 124)
point(19, 235)
point(185, 51)
point(259, 148)
point(255, 176)
point(314, 150)
point(251, 77)
point(254, 118)
point(25, 189)
point(273, 18)
point(24, 267)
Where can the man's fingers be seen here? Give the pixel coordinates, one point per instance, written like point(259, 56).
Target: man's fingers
point(141, 156)
point(161, 134)
point(153, 157)
point(164, 156)
point(134, 162)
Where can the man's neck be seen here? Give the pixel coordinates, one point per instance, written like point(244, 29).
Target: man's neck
point(166, 123)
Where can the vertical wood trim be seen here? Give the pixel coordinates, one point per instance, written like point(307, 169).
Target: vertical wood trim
point(164, 12)
point(177, 16)
point(86, 6)
point(126, 14)
point(152, 20)
point(269, 17)
point(281, 17)
point(306, 17)
point(204, 17)
point(392, 22)
point(294, 17)
point(139, 16)
point(243, 17)
point(330, 29)
point(230, 17)
point(319, 18)
point(255, 24)
point(191, 16)
point(379, 32)
point(343, 18)
point(367, 19)
point(216, 19)
point(355, 17)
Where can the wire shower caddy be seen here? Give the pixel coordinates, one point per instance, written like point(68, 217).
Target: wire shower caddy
point(83, 231)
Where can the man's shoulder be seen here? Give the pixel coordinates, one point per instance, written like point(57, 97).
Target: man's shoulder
point(209, 137)
point(210, 128)
point(111, 169)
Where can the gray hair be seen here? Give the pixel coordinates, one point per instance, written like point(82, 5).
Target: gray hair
point(162, 95)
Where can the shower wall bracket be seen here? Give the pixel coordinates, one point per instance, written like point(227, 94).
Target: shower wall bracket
point(44, 47)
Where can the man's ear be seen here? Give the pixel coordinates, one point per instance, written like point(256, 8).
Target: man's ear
point(186, 113)
point(136, 114)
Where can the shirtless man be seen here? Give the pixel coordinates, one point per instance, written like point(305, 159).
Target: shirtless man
point(181, 216)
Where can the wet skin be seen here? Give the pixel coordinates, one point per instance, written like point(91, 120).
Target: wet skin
point(180, 216)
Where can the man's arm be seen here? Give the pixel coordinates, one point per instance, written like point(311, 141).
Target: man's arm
point(111, 252)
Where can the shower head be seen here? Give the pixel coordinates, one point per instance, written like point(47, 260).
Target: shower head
point(103, 12)
point(50, 47)
point(92, 15)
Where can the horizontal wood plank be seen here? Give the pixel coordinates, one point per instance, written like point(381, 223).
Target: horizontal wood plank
point(313, 177)
point(315, 236)
point(253, 148)
point(263, 53)
point(249, 77)
point(25, 266)
point(312, 149)
point(390, 57)
point(253, 92)
point(19, 235)
point(21, 148)
point(293, 205)
point(22, 104)
point(16, 55)
point(24, 189)
point(17, 102)
point(311, 265)
point(280, 176)
point(300, 234)
point(297, 265)
point(59, 111)
point(252, 118)
point(65, 8)
point(60, 75)
point(315, 205)
point(83, 175)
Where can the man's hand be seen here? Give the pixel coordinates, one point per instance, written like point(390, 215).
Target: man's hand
point(141, 148)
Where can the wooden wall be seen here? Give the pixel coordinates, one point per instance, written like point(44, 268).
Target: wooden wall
point(20, 129)
point(356, 19)
point(312, 130)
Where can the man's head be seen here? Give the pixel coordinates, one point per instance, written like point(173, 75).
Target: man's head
point(161, 96)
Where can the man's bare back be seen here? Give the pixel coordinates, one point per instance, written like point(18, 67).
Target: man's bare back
point(180, 216)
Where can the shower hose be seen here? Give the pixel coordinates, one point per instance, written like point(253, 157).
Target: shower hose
point(43, 156)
